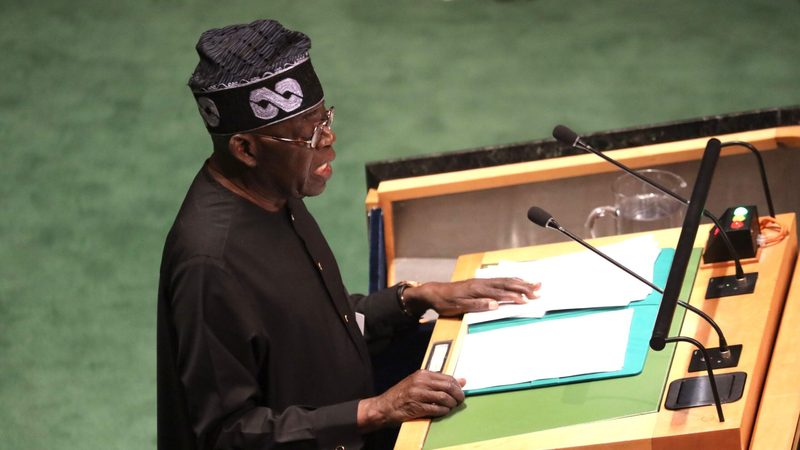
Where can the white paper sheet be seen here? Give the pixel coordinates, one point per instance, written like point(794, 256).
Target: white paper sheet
point(556, 348)
point(577, 280)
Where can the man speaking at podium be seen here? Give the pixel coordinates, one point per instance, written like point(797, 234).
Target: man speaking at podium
point(259, 344)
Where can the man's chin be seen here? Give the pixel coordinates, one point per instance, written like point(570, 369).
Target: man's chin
point(313, 191)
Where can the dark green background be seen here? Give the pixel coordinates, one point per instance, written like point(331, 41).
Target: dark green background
point(100, 139)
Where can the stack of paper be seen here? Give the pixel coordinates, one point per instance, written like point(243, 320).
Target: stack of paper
point(549, 349)
point(577, 280)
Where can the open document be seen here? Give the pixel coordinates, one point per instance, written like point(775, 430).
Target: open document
point(545, 349)
point(577, 280)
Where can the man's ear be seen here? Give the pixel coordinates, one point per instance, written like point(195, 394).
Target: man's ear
point(242, 146)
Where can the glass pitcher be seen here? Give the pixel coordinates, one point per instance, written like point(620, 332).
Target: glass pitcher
point(639, 206)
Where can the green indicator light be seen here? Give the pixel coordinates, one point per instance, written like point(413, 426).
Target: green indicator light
point(740, 211)
point(738, 219)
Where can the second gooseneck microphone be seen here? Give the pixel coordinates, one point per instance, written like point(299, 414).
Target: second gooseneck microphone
point(566, 136)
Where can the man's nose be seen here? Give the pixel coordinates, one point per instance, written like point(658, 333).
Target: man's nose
point(328, 137)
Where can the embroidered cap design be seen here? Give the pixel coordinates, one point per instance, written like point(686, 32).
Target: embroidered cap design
point(208, 110)
point(265, 103)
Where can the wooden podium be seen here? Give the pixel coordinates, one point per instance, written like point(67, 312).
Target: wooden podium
point(430, 220)
point(766, 417)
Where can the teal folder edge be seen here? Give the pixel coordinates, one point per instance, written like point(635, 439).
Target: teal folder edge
point(644, 317)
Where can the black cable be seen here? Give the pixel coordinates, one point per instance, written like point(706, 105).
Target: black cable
point(761, 169)
point(723, 343)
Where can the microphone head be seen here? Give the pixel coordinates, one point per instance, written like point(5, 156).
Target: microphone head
point(539, 216)
point(564, 135)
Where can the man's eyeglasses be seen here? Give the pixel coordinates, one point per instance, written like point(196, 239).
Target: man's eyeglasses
point(316, 138)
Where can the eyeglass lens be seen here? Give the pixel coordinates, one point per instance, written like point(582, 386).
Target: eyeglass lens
point(327, 123)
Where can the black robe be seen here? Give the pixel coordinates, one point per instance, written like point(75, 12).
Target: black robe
point(258, 345)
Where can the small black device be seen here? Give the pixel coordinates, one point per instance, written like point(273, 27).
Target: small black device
point(741, 226)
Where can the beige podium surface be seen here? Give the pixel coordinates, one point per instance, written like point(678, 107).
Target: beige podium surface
point(752, 320)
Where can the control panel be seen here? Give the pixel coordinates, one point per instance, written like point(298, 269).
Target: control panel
point(741, 225)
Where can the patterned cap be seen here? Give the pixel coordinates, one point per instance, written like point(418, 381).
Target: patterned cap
point(252, 75)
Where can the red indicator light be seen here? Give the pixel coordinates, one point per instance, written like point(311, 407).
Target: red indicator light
point(737, 225)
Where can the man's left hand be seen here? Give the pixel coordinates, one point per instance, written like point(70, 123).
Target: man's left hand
point(452, 299)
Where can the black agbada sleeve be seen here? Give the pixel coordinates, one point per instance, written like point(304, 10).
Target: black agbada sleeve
point(382, 317)
point(220, 347)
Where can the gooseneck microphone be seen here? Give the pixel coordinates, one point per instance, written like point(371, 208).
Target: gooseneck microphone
point(566, 136)
point(546, 220)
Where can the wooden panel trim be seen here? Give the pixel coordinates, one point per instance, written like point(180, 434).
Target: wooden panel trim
point(776, 426)
point(571, 166)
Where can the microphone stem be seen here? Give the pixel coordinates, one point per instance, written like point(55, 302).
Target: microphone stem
point(709, 370)
point(725, 238)
point(723, 343)
point(629, 171)
point(598, 252)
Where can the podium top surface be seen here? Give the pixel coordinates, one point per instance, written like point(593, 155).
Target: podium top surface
point(530, 410)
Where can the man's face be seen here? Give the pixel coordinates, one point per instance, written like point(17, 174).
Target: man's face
point(293, 169)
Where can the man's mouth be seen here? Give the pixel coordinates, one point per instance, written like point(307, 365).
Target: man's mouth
point(324, 170)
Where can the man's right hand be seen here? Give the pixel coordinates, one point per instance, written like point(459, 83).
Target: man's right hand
point(421, 394)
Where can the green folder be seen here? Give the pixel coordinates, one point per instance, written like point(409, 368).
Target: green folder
point(644, 318)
